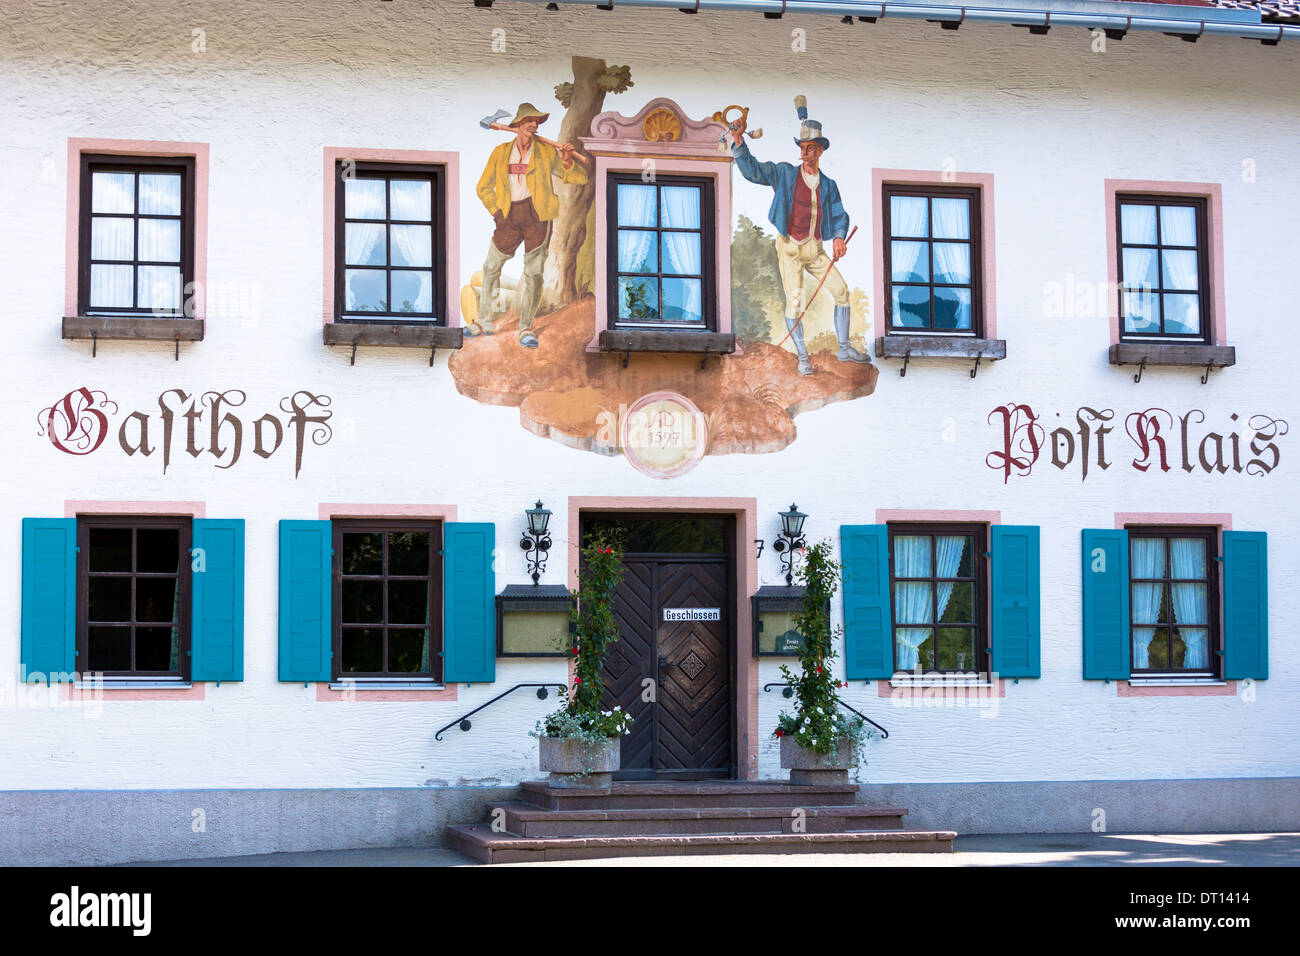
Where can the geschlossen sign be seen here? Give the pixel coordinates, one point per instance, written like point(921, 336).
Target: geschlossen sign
point(1157, 439)
point(79, 422)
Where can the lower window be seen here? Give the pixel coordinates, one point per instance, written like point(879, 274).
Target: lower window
point(133, 596)
point(1172, 601)
point(937, 587)
point(387, 600)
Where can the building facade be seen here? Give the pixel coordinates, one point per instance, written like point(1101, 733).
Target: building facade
point(309, 305)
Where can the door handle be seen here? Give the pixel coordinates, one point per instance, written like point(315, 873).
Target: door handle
point(663, 669)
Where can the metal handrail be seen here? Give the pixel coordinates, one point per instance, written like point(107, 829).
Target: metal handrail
point(789, 692)
point(542, 694)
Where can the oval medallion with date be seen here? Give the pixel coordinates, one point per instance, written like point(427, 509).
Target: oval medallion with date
point(664, 435)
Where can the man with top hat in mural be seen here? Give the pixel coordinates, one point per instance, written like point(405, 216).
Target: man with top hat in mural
point(517, 189)
point(806, 211)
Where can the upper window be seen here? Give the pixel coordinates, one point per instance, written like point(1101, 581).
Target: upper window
point(660, 256)
point(387, 600)
point(133, 596)
point(937, 585)
point(389, 243)
point(136, 235)
point(1172, 601)
point(1162, 268)
point(932, 259)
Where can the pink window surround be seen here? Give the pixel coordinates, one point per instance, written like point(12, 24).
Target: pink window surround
point(1213, 194)
point(451, 163)
point(920, 177)
point(747, 728)
point(328, 511)
point(193, 509)
point(937, 516)
point(915, 694)
point(142, 148)
point(1213, 520)
point(618, 145)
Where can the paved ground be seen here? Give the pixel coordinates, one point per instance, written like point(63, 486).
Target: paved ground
point(1016, 849)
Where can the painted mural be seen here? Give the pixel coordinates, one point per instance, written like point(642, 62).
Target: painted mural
point(533, 312)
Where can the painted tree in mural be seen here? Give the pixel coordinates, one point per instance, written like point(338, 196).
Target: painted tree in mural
point(570, 261)
point(756, 295)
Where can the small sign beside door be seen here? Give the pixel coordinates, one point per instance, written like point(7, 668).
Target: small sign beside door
point(692, 614)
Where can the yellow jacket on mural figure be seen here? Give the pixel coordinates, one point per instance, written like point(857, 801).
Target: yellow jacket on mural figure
point(543, 163)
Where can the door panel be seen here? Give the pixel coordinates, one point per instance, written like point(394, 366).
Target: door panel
point(632, 658)
point(693, 717)
point(686, 731)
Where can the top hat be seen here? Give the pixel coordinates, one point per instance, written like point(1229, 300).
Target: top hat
point(529, 111)
point(811, 131)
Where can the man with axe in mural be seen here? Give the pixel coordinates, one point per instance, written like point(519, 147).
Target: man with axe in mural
point(517, 189)
point(806, 211)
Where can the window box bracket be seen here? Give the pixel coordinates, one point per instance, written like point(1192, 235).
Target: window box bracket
point(704, 344)
point(393, 335)
point(908, 347)
point(1143, 354)
point(96, 327)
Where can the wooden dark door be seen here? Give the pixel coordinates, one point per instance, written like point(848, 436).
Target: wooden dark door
point(673, 676)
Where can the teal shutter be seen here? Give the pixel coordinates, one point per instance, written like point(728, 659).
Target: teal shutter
point(1106, 641)
point(469, 603)
point(48, 646)
point(217, 599)
point(1017, 604)
point(1245, 605)
point(306, 599)
point(868, 641)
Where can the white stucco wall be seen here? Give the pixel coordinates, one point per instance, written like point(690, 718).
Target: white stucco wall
point(1049, 118)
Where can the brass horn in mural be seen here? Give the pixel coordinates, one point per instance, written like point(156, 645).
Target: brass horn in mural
point(723, 116)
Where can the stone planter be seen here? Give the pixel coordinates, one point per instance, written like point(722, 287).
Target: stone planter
point(576, 764)
point(809, 768)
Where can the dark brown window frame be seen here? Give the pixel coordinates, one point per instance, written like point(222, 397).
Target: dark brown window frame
point(981, 612)
point(85, 523)
point(1202, 205)
point(708, 253)
point(976, 196)
point(97, 162)
point(436, 174)
point(434, 527)
point(1214, 641)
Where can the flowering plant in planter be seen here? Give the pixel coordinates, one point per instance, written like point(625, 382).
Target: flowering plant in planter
point(817, 725)
point(590, 735)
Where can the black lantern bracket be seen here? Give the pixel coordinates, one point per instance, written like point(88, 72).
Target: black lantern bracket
point(536, 541)
point(790, 540)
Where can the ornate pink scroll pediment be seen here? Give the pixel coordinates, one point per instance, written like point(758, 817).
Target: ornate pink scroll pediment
point(660, 127)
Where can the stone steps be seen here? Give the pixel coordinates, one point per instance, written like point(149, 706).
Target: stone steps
point(638, 795)
point(527, 820)
point(479, 842)
point(657, 818)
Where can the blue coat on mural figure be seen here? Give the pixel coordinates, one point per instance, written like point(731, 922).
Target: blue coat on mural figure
point(781, 177)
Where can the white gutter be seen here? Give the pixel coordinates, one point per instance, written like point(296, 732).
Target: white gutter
point(1040, 19)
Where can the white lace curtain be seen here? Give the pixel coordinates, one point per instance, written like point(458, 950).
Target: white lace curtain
point(915, 602)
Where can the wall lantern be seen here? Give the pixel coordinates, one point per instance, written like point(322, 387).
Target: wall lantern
point(536, 541)
point(791, 538)
point(533, 621)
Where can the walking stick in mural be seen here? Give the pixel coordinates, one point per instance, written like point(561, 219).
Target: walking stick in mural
point(798, 319)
